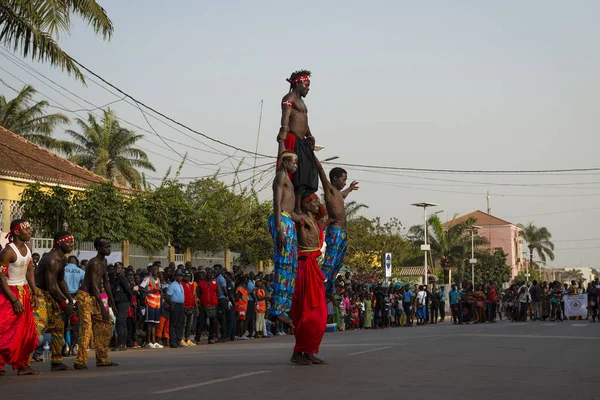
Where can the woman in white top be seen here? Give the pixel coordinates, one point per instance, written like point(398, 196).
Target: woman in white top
point(421, 306)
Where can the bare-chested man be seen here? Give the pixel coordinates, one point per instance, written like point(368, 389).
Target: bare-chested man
point(55, 301)
point(309, 308)
point(94, 315)
point(18, 338)
point(283, 231)
point(296, 136)
point(336, 236)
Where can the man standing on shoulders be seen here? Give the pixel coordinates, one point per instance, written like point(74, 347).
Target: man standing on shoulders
point(295, 136)
point(336, 236)
point(94, 315)
point(55, 301)
point(18, 337)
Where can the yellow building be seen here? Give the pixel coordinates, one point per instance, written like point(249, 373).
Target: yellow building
point(22, 162)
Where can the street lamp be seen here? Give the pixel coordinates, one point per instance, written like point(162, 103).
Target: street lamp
point(425, 247)
point(473, 230)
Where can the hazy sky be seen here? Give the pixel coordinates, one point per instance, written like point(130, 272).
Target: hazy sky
point(438, 84)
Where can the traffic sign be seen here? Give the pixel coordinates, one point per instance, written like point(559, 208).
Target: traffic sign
point(387, 263)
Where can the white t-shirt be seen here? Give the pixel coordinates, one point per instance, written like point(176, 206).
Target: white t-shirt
point(421, 297)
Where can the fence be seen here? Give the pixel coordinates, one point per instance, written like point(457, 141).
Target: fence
point(138, 256)
point(44, 245)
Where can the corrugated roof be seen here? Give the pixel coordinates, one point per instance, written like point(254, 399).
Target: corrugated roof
point(19, 158)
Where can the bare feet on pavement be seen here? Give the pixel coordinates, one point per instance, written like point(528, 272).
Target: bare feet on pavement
point(298, 358)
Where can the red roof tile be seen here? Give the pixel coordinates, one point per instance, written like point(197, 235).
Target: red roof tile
point(481, 219)
point(19, 158)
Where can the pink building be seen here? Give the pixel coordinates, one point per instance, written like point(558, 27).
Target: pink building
point(500, 234)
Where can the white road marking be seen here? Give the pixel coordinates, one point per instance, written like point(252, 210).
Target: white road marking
point(532, 336)
point(177, 389)
point(579, 325)
point(368, 351)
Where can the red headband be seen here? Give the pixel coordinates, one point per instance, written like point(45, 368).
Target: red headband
point(21, 226)
point(310, 198)
point(303, 78)
point(62, 240)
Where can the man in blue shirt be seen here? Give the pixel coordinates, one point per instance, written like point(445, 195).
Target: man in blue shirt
point(176, 297)
point(223, 302)
point(74, 276)
point(454, 296)
point(406, 303)
point(442, 296)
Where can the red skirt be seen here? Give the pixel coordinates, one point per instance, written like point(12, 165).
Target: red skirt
point(18, 336)
point(309, 308)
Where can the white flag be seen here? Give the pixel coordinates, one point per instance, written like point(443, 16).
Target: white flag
point(576, 306)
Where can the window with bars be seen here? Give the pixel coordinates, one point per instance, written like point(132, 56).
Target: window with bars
point(16, 211)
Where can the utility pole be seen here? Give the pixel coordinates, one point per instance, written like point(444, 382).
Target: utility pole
point(487, 199)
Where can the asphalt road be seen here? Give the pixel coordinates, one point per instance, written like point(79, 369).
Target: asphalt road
point(492, 361)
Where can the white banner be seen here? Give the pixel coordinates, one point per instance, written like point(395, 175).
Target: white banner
point(576, 306)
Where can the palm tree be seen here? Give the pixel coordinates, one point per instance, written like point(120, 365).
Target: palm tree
point(574, 275)
point(352, 208)
point(108, 150)
point(30, 121)
point(33, 26)
point(537, 239)
point(450, 244)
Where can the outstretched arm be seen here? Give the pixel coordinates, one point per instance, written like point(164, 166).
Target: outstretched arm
point(353, 186)
point(323, 176)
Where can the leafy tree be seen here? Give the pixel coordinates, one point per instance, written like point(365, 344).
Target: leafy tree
point(26, 117)
point(369, 239)
point(538, 240)
point(534, 275)
point(491, 267)
point(450, 244)
point(46, 209)
point(108, 150)
point(33, 26)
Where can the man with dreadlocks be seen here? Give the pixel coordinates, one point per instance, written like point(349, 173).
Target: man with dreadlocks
point(18, 338)
point(296, 136)
point(283, 231)
point(54, 297)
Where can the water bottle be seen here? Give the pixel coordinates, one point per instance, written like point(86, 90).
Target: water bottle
point(46, 354)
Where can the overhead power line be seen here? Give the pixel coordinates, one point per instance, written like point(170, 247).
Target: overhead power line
point(166, 116)
point(466, 171)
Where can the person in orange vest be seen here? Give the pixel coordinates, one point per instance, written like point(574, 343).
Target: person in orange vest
point(208, 293)
point(261, 307)
point(241, 306)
